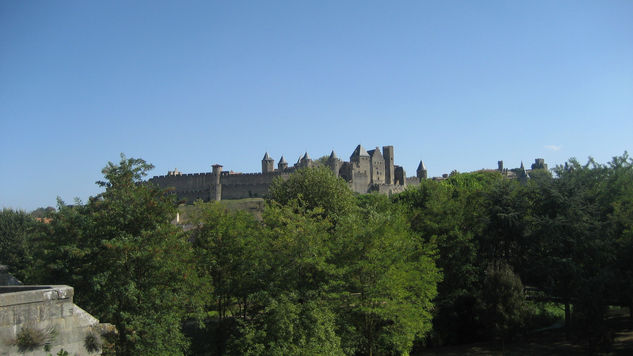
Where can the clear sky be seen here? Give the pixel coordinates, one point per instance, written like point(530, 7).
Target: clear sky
point(186, 84)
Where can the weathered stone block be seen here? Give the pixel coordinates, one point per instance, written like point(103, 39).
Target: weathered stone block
point(43, 307)
point(6, 316)
point(67, 309)
point(55, 311)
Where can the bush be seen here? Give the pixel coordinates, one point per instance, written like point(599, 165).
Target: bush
point(30, 338)
point(92, 342)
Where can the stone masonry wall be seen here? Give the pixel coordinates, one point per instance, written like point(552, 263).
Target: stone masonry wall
point(363, 173)
point(43, 308)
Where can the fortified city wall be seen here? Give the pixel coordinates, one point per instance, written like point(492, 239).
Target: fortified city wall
point(365, 172)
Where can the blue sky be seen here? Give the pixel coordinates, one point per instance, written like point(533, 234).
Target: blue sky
point(186, 84)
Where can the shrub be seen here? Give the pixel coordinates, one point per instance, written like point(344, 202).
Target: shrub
point(31, 338)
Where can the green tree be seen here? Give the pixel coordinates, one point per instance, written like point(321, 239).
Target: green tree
point(315, 188)
point(573, 249)
point(620, 198)
point(42, 212)
point(289, 326)
point(502, 241)
point(451, 214)
point(389, 276)
point(16, 231)
point(129, 265)
point(299, 250)
point(227, 247)
point(504, 302)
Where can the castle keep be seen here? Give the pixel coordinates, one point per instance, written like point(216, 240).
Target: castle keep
point(366, 171)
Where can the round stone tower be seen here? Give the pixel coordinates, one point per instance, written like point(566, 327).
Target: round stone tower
point(216, 188)
point(268, 164)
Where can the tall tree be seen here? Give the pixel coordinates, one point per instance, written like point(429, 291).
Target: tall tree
point(573, 251)
point(227, 247)
point(16, 231)
point(502, 241)
point(130, 266)
point(389, 276)
point(315, 188)
point(451, 213)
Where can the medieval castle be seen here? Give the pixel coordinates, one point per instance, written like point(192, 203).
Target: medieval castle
point(365, 172)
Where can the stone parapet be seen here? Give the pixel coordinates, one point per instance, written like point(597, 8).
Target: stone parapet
point(47, 310)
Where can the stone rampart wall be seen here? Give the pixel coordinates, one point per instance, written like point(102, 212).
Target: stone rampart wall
point(413, 181)
point(249, 178)
point(185, 182)
point(360, 182)
point(240, 191)
point(191, 187)
point(390, 189)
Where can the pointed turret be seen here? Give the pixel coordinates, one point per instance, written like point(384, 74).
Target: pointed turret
point(304, 161)
point(421, 171)
point(334, 163)
point(283, 165)
point(268, 164)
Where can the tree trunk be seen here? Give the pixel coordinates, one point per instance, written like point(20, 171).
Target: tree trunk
point(567, 318)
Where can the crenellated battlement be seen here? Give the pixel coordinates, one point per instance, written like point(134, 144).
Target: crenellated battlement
point(364, 172)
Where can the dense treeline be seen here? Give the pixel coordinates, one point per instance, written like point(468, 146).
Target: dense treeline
point(324, 271)
point(570, 236)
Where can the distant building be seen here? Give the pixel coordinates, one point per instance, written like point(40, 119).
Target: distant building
point(366, 171)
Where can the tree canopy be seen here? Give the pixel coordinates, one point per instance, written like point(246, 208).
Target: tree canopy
point(324, 271)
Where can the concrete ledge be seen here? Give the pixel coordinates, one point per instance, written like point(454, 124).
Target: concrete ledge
point(16, 295)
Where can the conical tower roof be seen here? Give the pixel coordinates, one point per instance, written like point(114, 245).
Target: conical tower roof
point(267, 157)
point(282, 160)
point(305, 156)
point(333, 155)
point(523, 173)
point(421, 166)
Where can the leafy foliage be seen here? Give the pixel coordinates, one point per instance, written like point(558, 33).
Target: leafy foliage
point(315, 188)
point(16, 231)
point(128, 264)
point(504, 302)
point(389, 278)
point(322, 271)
